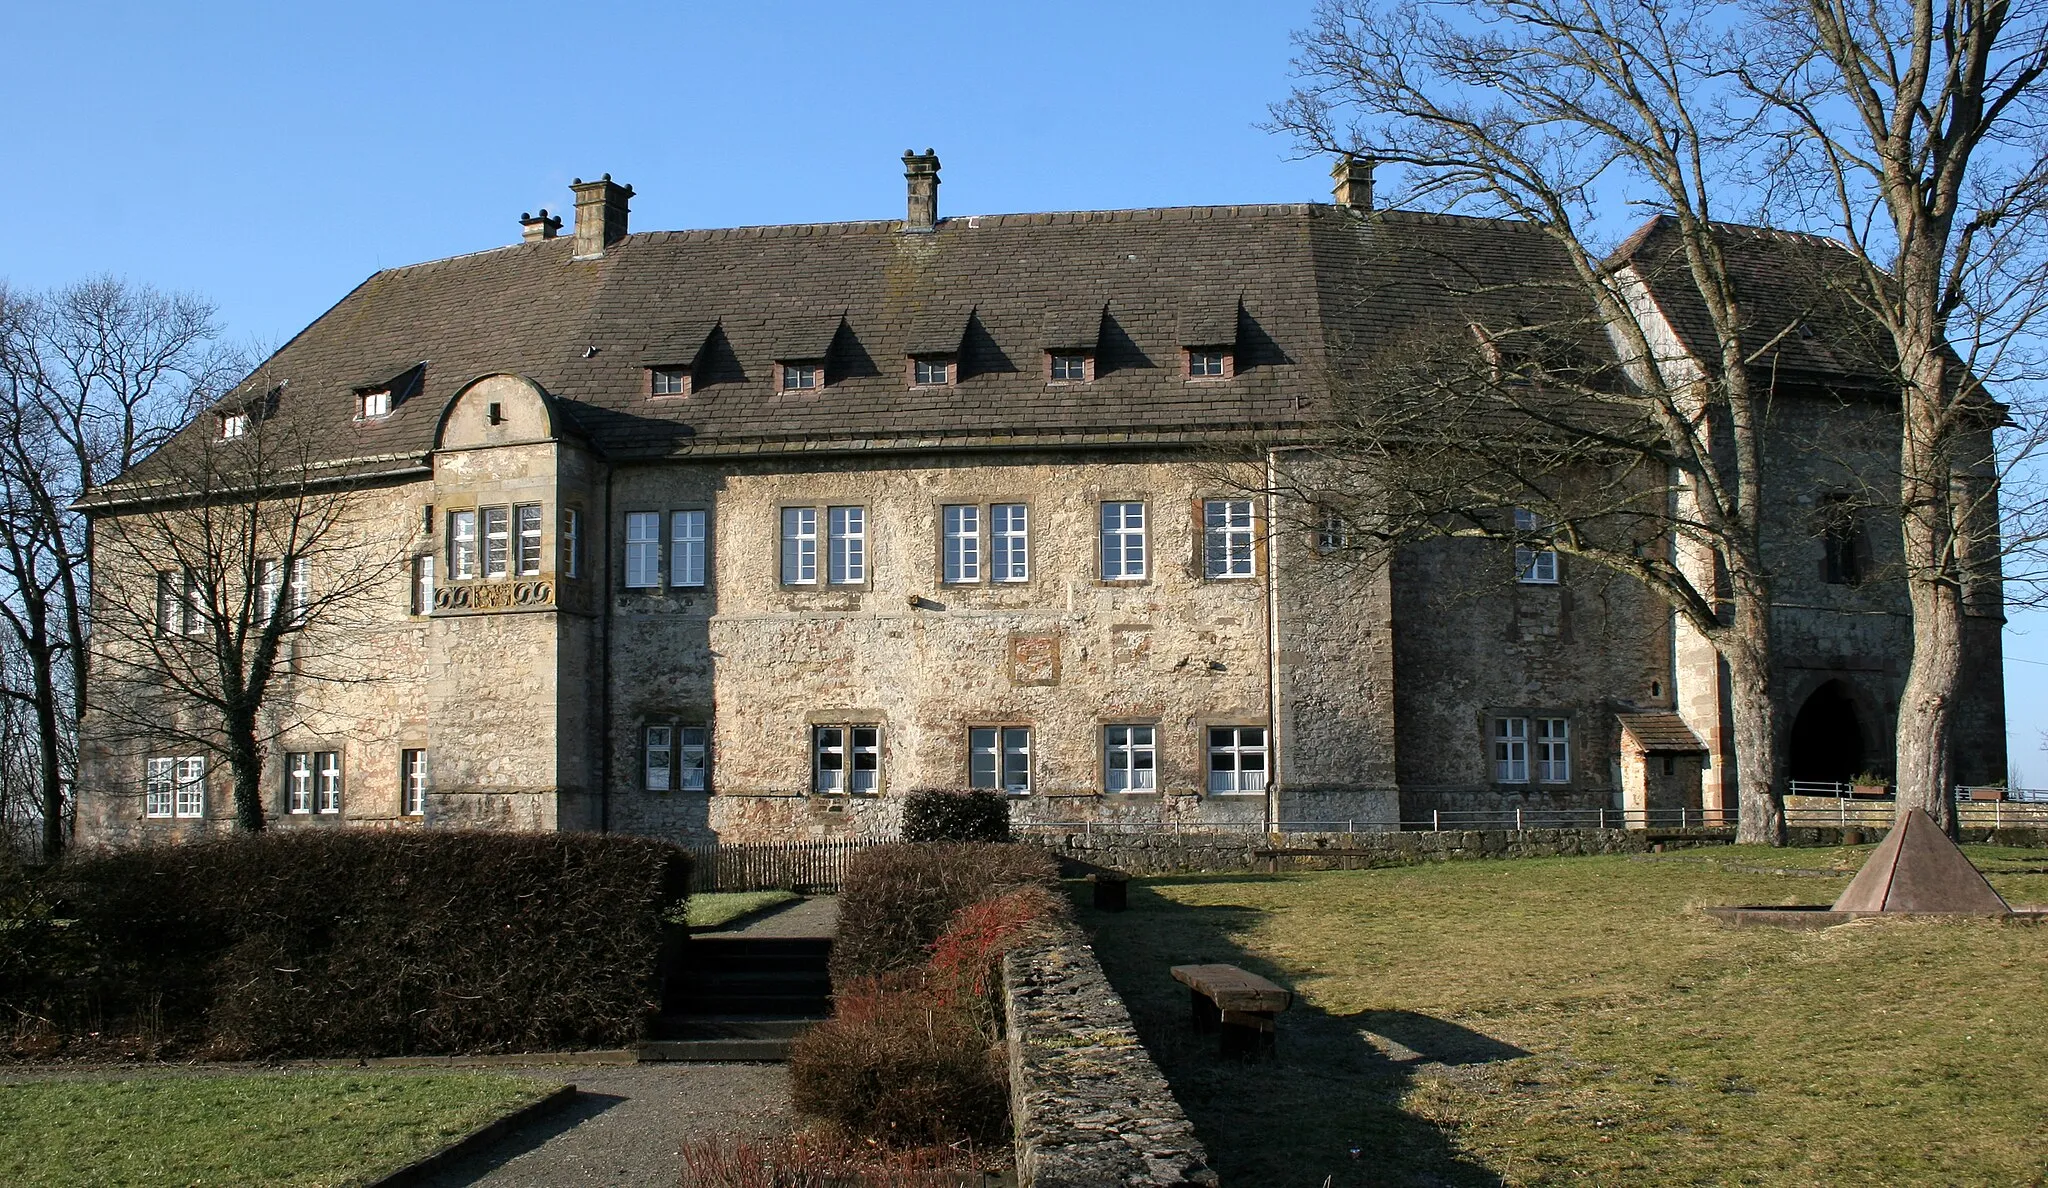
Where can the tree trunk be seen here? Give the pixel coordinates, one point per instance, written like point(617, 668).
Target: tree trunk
point(49, 738)
point(245, 760)
point(1747, 649)
point(1927, 528)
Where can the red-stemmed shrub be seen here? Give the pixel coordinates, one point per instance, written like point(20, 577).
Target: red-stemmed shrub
point(895, 900)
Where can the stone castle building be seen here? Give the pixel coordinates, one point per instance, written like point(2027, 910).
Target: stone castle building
point(747, 532)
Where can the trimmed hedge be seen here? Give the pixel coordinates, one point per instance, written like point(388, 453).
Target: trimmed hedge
point(896, 900)
point(937, 815)
point(363, 942)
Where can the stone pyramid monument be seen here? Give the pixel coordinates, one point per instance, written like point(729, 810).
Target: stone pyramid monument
point(1918, 869)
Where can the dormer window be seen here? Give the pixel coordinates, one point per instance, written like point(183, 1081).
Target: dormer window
point(1070, 368)
point(373, 404)
point(669, 381)
point(931, 372)
point(1209, 363)
point(234, 425)
point(801, 377)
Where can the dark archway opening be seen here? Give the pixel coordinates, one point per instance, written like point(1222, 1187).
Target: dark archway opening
point(1827, 737)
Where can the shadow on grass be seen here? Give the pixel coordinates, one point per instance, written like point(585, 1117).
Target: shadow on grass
point(518, 1141)
point(1329, 1103)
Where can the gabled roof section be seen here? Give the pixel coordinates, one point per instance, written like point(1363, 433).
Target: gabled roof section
point(1661, 733)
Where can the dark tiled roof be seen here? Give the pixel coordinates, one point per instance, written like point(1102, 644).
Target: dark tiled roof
point(1305, 291)
point(1660, 733)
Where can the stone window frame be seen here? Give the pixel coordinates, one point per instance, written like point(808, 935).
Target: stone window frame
point(1222, 356)
point(521, 555)
point(419, 585)
point(985, 542)
point(456, 541)
point(708, 542)
point(1145, 536)
point(1534, 566)
point(821, 545)
point(1529, 739)
point(1002, 728)
point(1086, 357)
point(1204, 563)
point(848, 721)
point(626, 553)
point(570, 542)
point(915, 370)
point(1103, 751)
point(1332, 533)
point(1205, 745)
point(675, 725)
point(321, 798)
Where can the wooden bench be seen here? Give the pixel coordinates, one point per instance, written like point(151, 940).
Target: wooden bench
point(1239, 1004)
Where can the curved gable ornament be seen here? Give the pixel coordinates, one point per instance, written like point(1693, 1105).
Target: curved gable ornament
point(498, 410)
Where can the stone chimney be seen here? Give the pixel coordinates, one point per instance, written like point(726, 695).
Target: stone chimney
point(540, 226)
point(1354, 181)
point(922, 172)
point(600, 215)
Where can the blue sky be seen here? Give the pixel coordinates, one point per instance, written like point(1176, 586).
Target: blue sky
point(270, 156)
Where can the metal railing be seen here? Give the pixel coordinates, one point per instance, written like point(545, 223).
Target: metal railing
point(808, 866)
point(1443, 821)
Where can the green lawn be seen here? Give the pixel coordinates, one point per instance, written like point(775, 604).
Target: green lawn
point(711, 909)
point(1577, 1020)
point(315, 1128)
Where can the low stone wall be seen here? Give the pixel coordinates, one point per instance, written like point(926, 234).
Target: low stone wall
point(1089, 1107)
point(1166, 852)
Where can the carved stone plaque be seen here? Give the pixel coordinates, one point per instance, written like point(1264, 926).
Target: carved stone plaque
point(486, 597)
point(1034, 659)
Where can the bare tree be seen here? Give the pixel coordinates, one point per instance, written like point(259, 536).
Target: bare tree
point(92, 378)
point(1529, 110)
point(1913, 133)
point(237, 572)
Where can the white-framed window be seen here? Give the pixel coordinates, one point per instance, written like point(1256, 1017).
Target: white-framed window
point(190, 773)
point(801, 377)
point(1553, 751)
point(799, 546)
point(180, 603)
point(670, 381)
point(1533, 566)
point(927, 373)
point(234, 425)
point(158, 780)
point(961, 548)
point(300, 595)
point(1333, 531)
point(687, 546)
point(423, 584)
point(658, 756)
point(1123, 542)
point(846, 759)
point(462, 545)
point(373, 404)
point(1227, 536)
point(1067, 368)
point(643, 550)
point(298, 782)
point(526, 518)
point(847, 564)
point(1130, 757)
point(677, 757)
point(1207, 363)
point(693, 758)
point(999, 757)
point(1511, 750)
point(412, 782)
point(269, 584)
point(572, 543)
point(1009, 542)
point(327, 781)
point(497, 541)
point(1237, 759)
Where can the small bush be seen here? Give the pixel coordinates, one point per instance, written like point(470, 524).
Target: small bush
point(813, 1161)
point(896, 900)
point(361, 942)
point(898, 1067)
point(937, 815)
point(962, 969)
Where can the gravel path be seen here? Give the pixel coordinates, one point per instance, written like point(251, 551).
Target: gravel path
point(627, 1123)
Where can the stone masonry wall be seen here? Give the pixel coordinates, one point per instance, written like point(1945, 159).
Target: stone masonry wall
point(1088, 1106)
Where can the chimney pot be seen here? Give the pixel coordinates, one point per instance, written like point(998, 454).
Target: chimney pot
point(600, 215)
point(1353, 174)
point(540, 226)
point(921, 172)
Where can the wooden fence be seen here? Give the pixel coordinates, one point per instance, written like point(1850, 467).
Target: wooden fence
point(811, 867)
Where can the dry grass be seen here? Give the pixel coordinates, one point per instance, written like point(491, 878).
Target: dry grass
point(1579, 1021)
